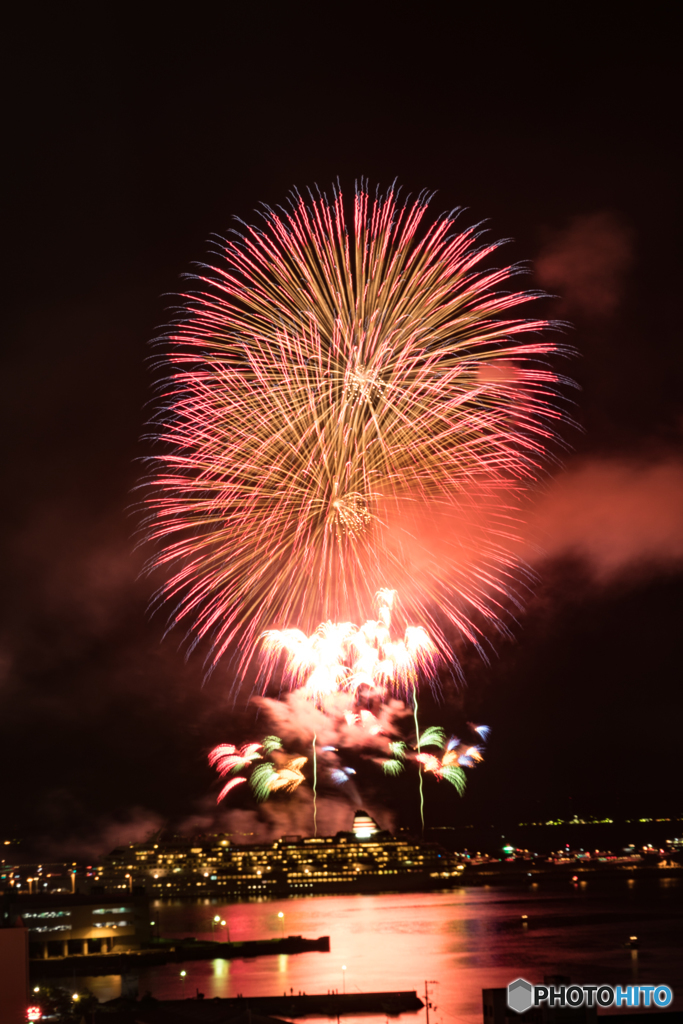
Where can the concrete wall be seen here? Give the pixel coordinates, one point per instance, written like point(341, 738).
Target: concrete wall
point(13, 975)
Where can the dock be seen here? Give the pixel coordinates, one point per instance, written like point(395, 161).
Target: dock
point(257, 1009)
point(328, 1005)
point(170, 951)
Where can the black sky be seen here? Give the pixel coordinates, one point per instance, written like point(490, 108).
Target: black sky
point(129, 144)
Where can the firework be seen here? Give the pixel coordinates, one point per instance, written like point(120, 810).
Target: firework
point(267, 779)
point(230, 785)
point(341, 657)
point(315, 661)
point(441, 769)
point(315, 784)
point(228, 760)
point(435, 736)
point(455, 756)
point(395, 764)
point(338, 399)
point(364, 719)
point(449, 765)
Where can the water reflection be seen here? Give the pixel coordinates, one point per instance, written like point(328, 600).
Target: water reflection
point(221, 968)
point(467, 939)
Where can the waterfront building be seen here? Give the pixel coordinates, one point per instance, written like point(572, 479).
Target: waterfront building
point(363, 860)
point(65, 924)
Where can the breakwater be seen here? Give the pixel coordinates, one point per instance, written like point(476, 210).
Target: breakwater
point(287, 1005)
point(173, 951)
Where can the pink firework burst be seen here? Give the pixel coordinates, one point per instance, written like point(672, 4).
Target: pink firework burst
point(348, 406)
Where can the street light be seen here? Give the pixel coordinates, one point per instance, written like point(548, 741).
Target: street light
point(130, 883)
point(224, 924)
point(183, 975)
point(344, 978)
point(282, 921)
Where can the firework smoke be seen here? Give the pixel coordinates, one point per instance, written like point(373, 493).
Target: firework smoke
point(329, 673)
point(393, 755)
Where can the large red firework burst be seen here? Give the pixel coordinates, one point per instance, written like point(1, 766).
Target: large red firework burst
point(346, 409)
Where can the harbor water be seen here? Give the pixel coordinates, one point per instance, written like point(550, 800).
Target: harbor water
point(457, 942)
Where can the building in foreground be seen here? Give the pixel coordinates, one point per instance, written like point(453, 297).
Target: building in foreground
point(364, 860)
point(13, 970)
point(61, 925)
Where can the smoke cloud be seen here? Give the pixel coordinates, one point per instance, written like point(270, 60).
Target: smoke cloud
point(295, 718)
point(103, 835)
point(73, 579)
point(620, 516)
point(587, 264)
point(292, 817)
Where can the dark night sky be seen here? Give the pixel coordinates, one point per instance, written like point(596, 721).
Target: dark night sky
point(129, 145)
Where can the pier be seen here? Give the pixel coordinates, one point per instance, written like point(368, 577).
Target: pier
point(170, 951)
point(257, 1009)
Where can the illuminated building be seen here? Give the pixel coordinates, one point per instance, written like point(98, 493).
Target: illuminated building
point(363, 860)
point(67, 924)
